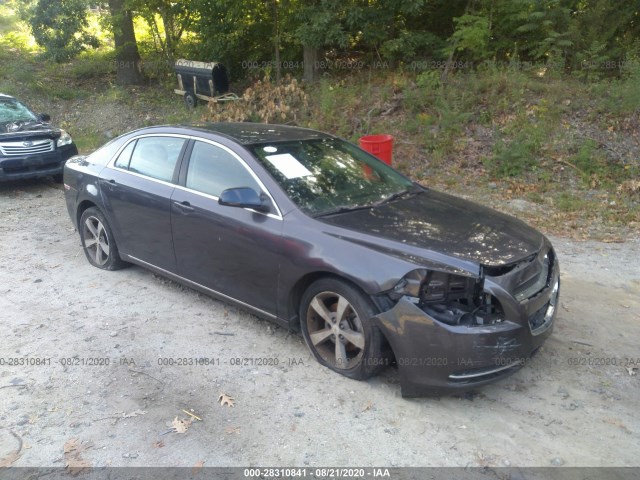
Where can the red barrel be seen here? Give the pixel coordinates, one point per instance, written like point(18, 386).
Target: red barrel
point(379, 145)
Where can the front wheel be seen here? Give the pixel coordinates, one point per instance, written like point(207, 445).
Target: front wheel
point(97, 241)
point(336, 325)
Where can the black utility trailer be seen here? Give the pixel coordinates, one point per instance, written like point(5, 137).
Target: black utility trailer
point(207, 81)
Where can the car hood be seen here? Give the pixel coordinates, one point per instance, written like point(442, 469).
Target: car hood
point(446, 225)
point(28, 131)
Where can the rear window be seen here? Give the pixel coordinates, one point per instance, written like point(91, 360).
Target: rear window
point(156, 157)
point(105, 152)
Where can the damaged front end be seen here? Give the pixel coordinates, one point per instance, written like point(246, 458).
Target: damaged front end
point(450, 299)
point(455, 331)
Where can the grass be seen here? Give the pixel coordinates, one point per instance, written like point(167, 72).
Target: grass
point(517, 130)
point(88, 139)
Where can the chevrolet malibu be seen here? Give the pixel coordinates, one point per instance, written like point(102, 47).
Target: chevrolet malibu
point(309, 231)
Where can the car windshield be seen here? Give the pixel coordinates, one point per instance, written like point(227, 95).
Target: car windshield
point(13, 111)
point(325, 176)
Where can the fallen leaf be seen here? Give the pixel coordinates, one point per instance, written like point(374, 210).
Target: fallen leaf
point(632, 371)
point(618, 423)
point(225, 399)
point(179, 425)
point(232, 429)
point(9, 459)
point(368, 406)
point(13, 456)
point(197, 467)
point(158, 444)
point(74, 463)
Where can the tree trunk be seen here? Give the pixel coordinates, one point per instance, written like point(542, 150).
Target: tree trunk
point(310, 57)
point(276, 41)
point(129, 71)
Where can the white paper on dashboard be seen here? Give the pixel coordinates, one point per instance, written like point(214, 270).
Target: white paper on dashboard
point(288, 165)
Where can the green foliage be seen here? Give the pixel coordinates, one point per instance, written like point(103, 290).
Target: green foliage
point(620, 96)
point(513, 158)
point(323, 23)
point(471, 36)
point(243, 34)
point(59, 27)
point(88, 139)
point(570, 202)
point(237, 34)
point(93, 64)
point(591, 61)
point(429, 79)
point(168, 22)
point(410, 46)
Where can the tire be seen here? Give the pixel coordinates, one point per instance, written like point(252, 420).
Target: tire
point(97, 241)
point(352, 346)
point(190, 100)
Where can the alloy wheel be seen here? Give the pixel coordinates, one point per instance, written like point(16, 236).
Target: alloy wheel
point(335, 330)
point(96, 240)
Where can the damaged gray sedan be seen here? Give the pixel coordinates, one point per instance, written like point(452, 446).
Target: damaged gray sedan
point(313, 233)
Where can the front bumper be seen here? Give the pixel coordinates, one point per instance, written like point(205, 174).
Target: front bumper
point(34, 166)
point(434, 358)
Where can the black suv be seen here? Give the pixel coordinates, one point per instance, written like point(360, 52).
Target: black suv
point(30, 146)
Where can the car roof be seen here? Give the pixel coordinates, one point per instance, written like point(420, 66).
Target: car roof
point(252, 133)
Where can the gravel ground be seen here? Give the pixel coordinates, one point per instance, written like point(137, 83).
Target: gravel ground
point(574, 404)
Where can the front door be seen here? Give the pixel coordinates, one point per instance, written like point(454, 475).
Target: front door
point(231, 250)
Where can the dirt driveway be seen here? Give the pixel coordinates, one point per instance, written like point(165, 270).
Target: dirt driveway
point(98, 376)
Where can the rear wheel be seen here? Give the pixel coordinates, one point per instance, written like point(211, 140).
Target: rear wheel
point(98, 242)
point(336, 325)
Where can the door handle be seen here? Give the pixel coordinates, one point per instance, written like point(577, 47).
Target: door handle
point(184, 206)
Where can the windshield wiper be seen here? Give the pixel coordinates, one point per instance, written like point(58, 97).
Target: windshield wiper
point(343, 209)
point(395, 196)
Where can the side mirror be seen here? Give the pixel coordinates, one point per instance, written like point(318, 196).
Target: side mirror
point(44, 117)
point(243, 197)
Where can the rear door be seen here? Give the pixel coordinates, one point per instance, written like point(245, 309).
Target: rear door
point(233, 251)
point(137, 191)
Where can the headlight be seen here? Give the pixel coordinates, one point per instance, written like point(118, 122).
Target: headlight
point(65, 139)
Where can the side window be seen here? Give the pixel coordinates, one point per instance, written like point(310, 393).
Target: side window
point(212, 170)
point(156, 157)
point(125, 156)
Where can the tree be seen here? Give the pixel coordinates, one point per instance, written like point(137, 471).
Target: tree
point(128, 63)
point(177, 18)
point(320, 23)
point(59, 26)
